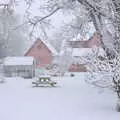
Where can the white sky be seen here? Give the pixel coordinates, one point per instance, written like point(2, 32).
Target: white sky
point(56, 20)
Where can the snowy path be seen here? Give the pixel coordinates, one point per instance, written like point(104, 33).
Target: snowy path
point(74, 100)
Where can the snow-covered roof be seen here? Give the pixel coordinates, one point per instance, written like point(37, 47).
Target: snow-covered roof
point(80, 52)
point(46, 43)
point(50, 47)
point(18, 60)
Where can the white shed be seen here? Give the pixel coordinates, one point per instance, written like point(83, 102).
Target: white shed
point(19, 66)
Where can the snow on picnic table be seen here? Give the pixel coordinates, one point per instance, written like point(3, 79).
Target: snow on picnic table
point(73, 99)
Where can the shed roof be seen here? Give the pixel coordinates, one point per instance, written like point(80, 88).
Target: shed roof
point(18, 60)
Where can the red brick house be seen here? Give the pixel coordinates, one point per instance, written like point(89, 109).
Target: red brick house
point(80, 49)
point(77, 68)
point(43, 52)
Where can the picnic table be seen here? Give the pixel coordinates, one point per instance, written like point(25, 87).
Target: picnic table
point(44, 80)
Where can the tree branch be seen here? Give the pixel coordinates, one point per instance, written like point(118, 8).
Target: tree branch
point(43, 18)
point(93, 8)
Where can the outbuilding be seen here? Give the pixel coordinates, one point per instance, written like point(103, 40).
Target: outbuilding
point(19, 66)
point(43, 52)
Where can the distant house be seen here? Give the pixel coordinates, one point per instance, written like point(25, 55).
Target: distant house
point(19, 66)
point(77, 67)
point(43, 52)
point(82, 49)
point(93, 41)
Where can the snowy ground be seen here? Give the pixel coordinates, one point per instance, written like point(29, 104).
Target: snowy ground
point(73, 99)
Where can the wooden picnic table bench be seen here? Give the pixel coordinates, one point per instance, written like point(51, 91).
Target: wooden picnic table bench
point(44, 81)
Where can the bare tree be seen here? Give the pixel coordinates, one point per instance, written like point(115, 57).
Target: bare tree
point(10, 38)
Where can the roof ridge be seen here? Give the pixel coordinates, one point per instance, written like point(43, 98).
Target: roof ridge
point(50, 46)
point(46, 43)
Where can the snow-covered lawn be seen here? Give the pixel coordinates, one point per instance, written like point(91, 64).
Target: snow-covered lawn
point(73, 99)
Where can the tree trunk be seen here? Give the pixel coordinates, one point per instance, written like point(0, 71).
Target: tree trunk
point(116, 7)
point(118, 106)
point(97, 22)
